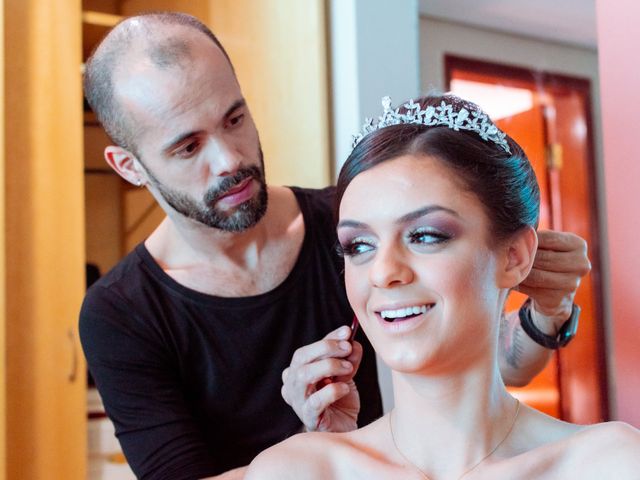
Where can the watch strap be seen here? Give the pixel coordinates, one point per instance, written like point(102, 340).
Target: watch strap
point(566, 332)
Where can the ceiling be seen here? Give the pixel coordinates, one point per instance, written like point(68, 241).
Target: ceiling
point(566, 21)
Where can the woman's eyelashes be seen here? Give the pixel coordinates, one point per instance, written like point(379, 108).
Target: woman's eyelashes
point(427, 236)
point(355, 246)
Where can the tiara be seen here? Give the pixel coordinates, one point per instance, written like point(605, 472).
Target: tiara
point(443, 115)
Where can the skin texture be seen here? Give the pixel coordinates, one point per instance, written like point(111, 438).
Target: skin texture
point(444, 362)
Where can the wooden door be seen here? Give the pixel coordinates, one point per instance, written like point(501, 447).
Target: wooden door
point(44, 243)
point(553, 125)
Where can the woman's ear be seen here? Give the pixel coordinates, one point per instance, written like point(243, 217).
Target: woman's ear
point(125, 164)
point(519, 253)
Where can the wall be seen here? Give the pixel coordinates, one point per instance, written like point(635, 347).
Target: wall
point(620, 77)
point(374, 52)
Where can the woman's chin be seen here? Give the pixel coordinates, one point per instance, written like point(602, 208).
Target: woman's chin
point(406, 359)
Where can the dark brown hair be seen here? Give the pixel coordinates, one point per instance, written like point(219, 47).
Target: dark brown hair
point(503, 182)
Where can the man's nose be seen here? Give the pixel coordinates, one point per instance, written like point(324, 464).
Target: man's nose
point(224, 157)
point(391, 267)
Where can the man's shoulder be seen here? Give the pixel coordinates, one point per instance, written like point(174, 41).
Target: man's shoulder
point(123, 289)
point(126, 272)
point(322, 199)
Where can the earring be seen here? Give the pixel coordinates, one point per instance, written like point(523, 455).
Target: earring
point(139, 183)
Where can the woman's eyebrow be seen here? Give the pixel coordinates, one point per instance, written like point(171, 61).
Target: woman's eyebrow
point(421, 212)
point(406, 218)
point(351, 224)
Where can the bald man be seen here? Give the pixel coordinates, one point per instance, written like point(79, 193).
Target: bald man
point(190, 337)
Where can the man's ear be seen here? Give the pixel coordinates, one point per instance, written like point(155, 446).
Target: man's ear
point(125, 164)
point(520, 251)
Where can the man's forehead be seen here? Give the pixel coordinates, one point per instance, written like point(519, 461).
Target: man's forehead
point(160, 97)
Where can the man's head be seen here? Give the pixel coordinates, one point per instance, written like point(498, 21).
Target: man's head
point(166, 93)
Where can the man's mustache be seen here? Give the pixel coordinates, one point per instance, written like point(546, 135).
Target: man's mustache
point(214, 194)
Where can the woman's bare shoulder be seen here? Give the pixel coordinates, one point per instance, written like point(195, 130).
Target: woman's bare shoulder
point(306, 455)
point(604, 450)
point(616, 440)
point(325, 455)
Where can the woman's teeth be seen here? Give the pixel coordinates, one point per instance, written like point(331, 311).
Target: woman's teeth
point(403, 313)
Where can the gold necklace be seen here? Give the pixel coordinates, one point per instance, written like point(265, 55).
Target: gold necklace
point(513, 422)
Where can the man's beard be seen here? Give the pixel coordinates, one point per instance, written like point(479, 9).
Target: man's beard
point(238, 219)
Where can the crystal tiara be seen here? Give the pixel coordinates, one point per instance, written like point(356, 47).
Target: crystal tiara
point(443, 115)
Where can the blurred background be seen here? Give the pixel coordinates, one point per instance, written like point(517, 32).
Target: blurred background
point(557, 75)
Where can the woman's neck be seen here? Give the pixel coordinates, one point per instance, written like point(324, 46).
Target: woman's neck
point(446, 424)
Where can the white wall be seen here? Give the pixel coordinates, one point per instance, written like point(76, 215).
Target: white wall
point(374, 52)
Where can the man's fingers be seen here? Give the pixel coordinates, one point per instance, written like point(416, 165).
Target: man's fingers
point(574, 262)
point(321, 400)
point(312, 373)
point(355, 358)
point(339, 333)
point(549, 297)
point(560, 241)
point(322, 349)
point(550, 281)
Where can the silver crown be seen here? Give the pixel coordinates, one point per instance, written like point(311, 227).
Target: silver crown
point(444, 115)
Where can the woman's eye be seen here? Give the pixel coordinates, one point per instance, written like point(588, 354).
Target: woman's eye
point(354, 248)
point(424, 236)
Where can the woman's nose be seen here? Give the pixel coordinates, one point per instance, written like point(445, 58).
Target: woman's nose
point(390, 268)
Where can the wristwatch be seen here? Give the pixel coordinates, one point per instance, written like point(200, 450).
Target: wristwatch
point(561, 339)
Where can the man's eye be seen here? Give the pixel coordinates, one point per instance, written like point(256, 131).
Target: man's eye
point(237, 120)
point(188, 150)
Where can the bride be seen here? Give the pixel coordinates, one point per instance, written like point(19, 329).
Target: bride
point(437, 217)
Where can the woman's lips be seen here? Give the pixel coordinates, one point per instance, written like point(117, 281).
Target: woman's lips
point(404, 313)
point(404, 318)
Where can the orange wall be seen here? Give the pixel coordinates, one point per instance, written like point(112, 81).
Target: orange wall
point(618, 38)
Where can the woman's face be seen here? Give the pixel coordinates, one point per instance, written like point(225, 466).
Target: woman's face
point(419, 269)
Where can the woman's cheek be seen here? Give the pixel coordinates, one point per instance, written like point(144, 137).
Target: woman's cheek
point(356, 286)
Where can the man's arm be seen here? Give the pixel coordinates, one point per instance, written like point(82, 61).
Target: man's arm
point(140, 391)
point(561, 262)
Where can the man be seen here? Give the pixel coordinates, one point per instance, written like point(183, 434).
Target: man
point(189, 335)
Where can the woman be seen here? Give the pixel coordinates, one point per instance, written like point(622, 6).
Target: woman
point(437, 217)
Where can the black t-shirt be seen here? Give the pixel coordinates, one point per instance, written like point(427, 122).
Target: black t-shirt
point(192, 381)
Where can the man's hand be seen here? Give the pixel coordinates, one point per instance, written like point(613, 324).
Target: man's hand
point(560, 263)
point(332, 406)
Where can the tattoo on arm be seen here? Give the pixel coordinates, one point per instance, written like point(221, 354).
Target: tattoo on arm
point(511, 342)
